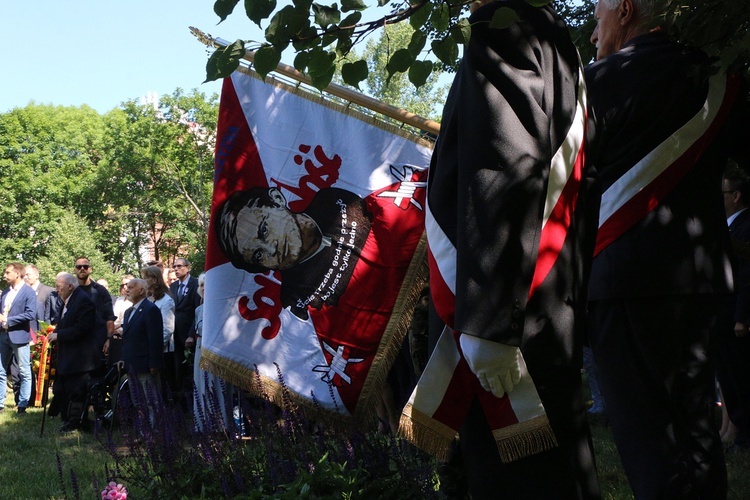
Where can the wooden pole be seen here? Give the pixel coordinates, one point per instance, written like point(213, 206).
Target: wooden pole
point(429, 126)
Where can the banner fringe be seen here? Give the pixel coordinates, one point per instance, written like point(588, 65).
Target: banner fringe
point(426, 433)
point(394, 334)
point(370, 119)
point(524, 439)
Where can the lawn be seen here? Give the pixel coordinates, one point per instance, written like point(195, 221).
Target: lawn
point(31, 468)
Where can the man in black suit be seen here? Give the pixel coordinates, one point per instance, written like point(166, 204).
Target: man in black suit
point(734, 342)
point(142, 344)
point(184, 291)
point(77, 353)
point(664, 123)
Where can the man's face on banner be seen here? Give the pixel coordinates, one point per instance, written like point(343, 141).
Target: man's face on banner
point(269, 236)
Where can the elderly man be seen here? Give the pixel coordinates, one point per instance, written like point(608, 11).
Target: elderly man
point(17, 314)
point(77, 353)
point(663, 128)
point(142, 342)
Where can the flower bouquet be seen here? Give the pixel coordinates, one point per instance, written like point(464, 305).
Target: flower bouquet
point(43, 356)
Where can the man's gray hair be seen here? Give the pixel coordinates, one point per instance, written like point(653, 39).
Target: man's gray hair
point(647, 10)
point(68, 279)
point(138, 281)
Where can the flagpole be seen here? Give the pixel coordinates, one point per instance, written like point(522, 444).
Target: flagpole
point(407, 117)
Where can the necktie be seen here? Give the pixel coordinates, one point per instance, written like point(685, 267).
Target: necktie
point(182, 289)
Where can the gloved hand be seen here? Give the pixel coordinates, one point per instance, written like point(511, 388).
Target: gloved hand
point(496, 365)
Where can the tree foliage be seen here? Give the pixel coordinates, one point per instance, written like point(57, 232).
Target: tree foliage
point(320, 35)
point(107, 186)
point(397, 87)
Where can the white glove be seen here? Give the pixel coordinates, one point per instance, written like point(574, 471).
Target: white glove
point(496, 365)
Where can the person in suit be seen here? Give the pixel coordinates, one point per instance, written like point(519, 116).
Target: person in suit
point(17, 313)
point(42, 293)
point(509, 251)
point(77, 353)
point(142, 345)
point(184, 291)
point(664, 122)
point(733, 369)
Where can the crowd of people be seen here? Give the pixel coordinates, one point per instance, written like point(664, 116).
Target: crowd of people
point(569, 208)
point(147, 332)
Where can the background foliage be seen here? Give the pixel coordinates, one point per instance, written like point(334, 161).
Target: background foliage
point(105, 186)
point(320, 35)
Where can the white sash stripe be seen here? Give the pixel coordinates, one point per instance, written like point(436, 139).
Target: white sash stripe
point(665, 154)
point(563, 162)
point(442, 250)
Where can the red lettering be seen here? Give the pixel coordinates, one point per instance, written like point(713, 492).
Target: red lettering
point(267, 309)
point(320, 175)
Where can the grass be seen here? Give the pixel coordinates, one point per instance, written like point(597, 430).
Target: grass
point(30, 464)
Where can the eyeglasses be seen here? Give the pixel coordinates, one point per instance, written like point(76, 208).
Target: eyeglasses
point(82, 266)
point(175, 266)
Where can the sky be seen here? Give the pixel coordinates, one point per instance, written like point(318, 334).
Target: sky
point(103, 52)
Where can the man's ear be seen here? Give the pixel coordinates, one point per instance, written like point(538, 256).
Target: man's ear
point(277, 197)
point(626, 12)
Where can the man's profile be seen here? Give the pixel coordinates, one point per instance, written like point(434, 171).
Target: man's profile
point(315, 250)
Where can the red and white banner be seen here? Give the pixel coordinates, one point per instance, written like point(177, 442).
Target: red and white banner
point(315, 249)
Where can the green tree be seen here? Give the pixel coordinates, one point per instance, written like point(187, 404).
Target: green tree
point(156, 181)
point(48, 158)
point(395, 88)
point(321, 34)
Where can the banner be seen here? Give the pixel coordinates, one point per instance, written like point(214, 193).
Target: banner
point(316, 253)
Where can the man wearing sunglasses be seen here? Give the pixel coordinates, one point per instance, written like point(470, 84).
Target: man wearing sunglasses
point(105, 316)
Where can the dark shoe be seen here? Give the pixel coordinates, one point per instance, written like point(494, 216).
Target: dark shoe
point(21, 410)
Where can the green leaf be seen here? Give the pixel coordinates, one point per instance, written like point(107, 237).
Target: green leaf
point(326, 15)
point(417, 43)
point(419, 72)
point(383, 2)
point(287, 24)
point(399, 61)
point(321, 81)
point(306, 39)
point(301, 61)
point(420, 16)
point(302, 4)
point(446, 50)
point(320, 63)
point(223, 8)
point(224, 61)
point(257, 10)
point(440, 17)
point(350, 20)
point(266, 59)
point(347, 5)
point(355, 72)
point(503, 17)
point(344, 46)
point(461, 32)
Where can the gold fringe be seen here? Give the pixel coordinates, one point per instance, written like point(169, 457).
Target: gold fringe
point(524, 439)
point(394, 334)
point(370, 119)
point(426, 433)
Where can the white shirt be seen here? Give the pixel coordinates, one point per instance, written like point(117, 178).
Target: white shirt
point(166, 306)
